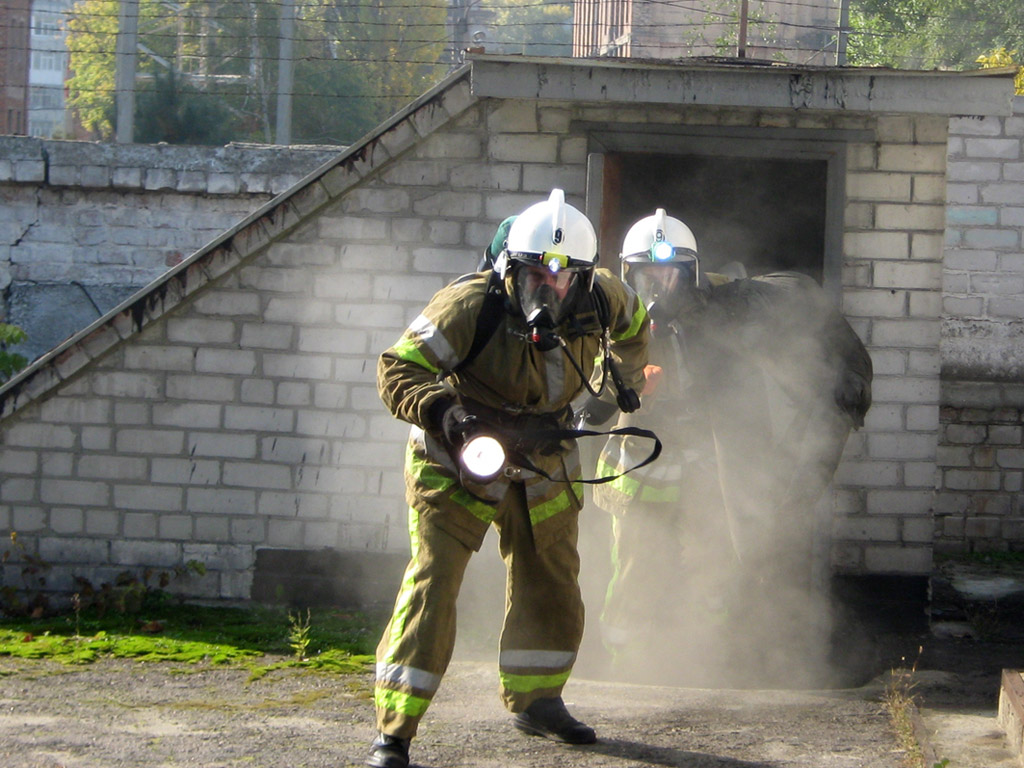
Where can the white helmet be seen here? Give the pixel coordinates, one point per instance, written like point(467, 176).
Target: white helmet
point(659, 260)
point(554, 234)
point(551, 250)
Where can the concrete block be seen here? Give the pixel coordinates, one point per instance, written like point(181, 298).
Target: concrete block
point(97, 466)
point(248, 530)
point(876, 245)
point(313, 367)
point(530, 148)
point(186, 414)
point(150, 441)
point(102, 522)
point(67, 521)
point(222, 444)
point(221, 501)
point(879, 186)
point(225, 361)
point(995, 148)
point(148, 497)
point(255, 419)
point(258, 392)
point(74, 550)
point(175, 527)
point(74, 492)
point(153, 554)
point(257, 475)
point(898, 559)
point(18, 462)
point(306, 506)
point(212, 528)
point(27, 434)
point(913, 216)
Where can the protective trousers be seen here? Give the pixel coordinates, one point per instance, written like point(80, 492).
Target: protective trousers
point(540, 636)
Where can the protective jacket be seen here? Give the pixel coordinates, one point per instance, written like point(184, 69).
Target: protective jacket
point(712, 398)
point(510, 381)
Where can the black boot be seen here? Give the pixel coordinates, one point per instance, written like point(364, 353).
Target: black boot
point(549, 718)
point(388, 752)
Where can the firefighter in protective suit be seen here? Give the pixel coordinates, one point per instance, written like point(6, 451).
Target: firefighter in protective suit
point(754, 385)
point(521, 382)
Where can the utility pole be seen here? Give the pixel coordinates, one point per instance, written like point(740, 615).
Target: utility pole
point(844, 31)
point(125, 58)
point(741, 48)
point(285, 75)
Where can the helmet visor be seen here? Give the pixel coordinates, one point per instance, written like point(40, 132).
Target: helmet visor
point(539, 287)
point(665, 286)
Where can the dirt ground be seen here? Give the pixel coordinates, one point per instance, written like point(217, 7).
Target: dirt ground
point(115, 714)
point(119, 713)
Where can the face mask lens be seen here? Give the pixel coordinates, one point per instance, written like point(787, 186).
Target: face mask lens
point(538, 287)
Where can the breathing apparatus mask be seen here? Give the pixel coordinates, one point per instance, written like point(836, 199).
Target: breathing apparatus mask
point(544, 294)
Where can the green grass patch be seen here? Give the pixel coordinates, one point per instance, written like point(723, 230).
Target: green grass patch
point(164, 630)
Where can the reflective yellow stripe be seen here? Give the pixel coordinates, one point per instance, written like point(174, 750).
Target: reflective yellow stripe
point(407, 349)
point(404, 599)
point(542, 512)
point(396, 701)
point(623, 484)
point(662, 495)
point(528, 683)
point(426, 475)
point(634, 325)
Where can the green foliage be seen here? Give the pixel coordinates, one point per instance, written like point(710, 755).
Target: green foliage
point(355, 63)
point(165, 630)
point(10, 362)
point(1001, 57)
point(529, 28)
point(176, 113)
point(928, 34)
point(298, 634)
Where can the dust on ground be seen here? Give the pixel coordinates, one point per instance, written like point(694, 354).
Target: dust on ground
point(117, 713)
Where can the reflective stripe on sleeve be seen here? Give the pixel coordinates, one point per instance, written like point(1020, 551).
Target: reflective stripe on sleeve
point(423, 332)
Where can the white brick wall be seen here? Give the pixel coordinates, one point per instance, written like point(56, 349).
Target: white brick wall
point(247, 416)
point(980, 504)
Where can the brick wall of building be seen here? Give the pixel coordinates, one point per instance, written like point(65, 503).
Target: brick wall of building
point(245, 416)
point(85, 225)
point(981, 456)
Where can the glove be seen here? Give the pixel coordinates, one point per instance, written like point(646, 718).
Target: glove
point(597, 411)
point(452, 418)
point(853, 396)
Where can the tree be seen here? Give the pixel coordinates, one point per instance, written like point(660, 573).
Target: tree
point(929, 34)
point(355, 62)
point(1001, 57)
point(529, 27)
point(10, 362)
point(174, 112)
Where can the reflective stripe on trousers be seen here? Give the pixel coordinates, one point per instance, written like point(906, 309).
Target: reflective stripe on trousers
point(541, 633)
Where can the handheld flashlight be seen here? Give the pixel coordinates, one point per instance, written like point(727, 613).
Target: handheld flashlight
point(483, 457)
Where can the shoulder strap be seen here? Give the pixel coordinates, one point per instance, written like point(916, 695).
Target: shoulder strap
point(487, 321)
point(601, 304)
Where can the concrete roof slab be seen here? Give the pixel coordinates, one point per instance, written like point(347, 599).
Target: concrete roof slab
point(759, 86)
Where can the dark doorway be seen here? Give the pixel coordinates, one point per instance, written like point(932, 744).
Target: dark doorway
point(766, 213)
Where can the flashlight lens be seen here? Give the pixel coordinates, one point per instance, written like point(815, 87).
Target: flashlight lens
point(483, 457)
point(663, 251)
